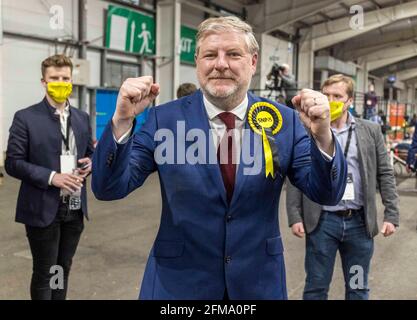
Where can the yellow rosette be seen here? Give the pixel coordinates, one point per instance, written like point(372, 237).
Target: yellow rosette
point(266, 120)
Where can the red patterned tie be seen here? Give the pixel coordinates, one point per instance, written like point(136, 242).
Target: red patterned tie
point(226, 154)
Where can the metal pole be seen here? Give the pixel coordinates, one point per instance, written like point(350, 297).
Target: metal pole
point(93, 113)
point(82, 38)
point(103, 66)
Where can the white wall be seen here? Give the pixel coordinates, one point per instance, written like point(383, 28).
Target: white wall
point(188, 74)
point(21, 73)
point(95, 19)
point(33, 17)
point(94, 57)
point(190, 17)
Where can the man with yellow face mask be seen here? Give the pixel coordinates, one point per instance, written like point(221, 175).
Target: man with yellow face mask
point(49, 150)
point(350, 226)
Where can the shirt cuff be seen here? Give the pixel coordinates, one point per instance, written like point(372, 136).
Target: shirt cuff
point(124, 138)
point(326, 156)
point(51, 176)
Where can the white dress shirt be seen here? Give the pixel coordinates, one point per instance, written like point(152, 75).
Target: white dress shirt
point(63, 118)
point(218, 127)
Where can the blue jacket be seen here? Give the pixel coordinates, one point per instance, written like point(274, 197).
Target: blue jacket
point(33, 152)
point(205, 245)
point(411, 159)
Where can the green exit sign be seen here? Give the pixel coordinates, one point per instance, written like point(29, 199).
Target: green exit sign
point(132, 31)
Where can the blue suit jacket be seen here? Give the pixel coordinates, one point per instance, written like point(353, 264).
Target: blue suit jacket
point(33, 152)
point(411, 158)
point(205, 245)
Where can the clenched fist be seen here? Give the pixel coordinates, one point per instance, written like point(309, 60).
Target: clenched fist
point(134, 96)
point(388, 229)
point(314, 110)
point(298, 229)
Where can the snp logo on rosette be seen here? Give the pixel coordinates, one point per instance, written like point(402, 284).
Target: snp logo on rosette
point(266, 120)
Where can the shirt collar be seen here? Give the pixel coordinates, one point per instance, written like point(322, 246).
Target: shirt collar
point(349, 122)
point(66, 110)
point(67, 106)
point(239, 111)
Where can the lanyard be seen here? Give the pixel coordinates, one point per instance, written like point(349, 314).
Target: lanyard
point(348, 141)
point(66, 139)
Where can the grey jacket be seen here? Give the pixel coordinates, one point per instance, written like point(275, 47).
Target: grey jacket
point(290, 85)
point(376, 172)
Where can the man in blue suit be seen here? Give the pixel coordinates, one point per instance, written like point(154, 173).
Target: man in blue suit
point(411, 158)
point(219, 235)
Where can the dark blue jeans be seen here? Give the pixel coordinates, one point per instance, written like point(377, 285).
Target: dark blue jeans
point(349, 236)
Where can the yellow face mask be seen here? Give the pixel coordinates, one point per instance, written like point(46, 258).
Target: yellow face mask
point(336, 110)
point(59, 91)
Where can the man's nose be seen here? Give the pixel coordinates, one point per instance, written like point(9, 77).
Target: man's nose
point(221, 62)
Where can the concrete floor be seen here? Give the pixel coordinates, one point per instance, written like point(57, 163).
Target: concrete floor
point(114, 247)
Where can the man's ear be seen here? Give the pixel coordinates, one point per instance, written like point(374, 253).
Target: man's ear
point(348, 103)
point(254, 62)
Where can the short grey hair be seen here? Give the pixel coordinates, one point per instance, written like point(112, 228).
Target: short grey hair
point(286, 66)
point(230, 23)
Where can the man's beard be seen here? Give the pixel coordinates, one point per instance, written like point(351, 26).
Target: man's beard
point(225, 93)
point(222, 93)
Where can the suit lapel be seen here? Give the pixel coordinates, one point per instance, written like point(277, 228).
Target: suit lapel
point(76, 125)
point(360, 138)
point(76, 128)
point(56, 138)
point(196, 118)
point(362, 149)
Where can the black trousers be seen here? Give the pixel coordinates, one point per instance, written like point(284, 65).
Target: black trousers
point(54, 246)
